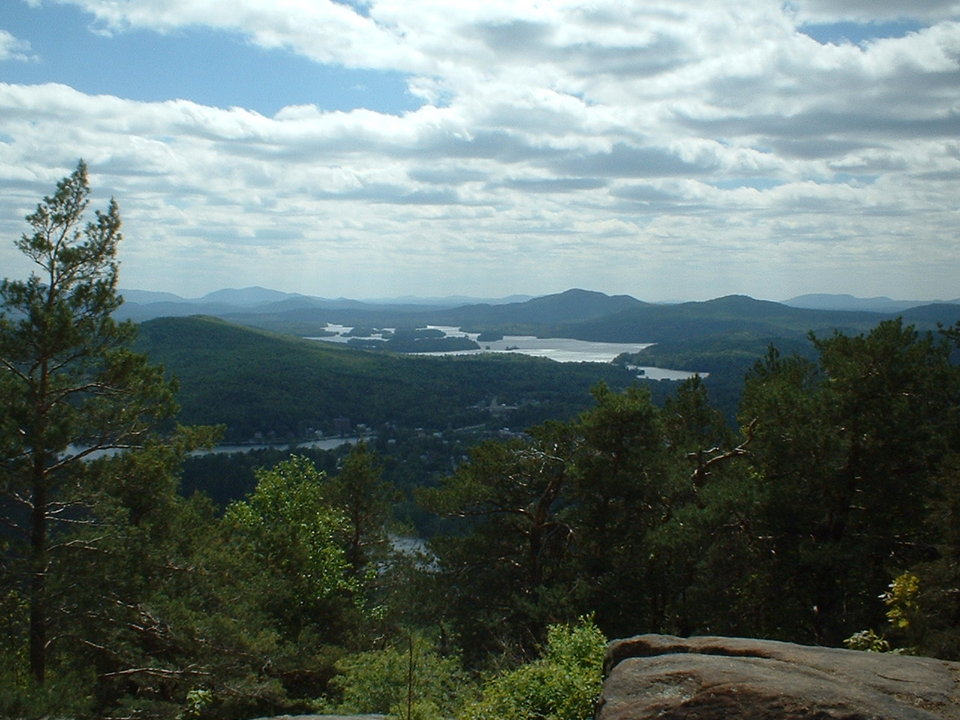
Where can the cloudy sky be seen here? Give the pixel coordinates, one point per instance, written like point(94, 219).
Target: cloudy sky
point(668, 149)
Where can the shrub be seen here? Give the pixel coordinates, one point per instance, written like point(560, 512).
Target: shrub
point(563, 684)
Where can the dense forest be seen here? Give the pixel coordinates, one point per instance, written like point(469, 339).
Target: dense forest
point(822, 509)
point(260, 383)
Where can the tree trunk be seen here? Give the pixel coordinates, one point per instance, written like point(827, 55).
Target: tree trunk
point(38, 576)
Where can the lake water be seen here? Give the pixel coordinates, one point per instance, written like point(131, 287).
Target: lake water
point(324, 444)
point(557, 349)
point(321, 444)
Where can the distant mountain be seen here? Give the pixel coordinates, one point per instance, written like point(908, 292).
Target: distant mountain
point(448, 300)
point(246, 297)
point(522, 318)
point(721, 336)
point(936, 313)
point(571, 306)
point(576, 313)
point(303, 315)
point(823, 301)
point(262, 307)
point(730, 314)
point(148, 296)
point(227, 297)
point(142, 311)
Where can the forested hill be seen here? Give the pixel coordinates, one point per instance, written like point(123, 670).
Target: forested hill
point(259, 382)
point(280, 386)
point(577, 305)
point(738, 314)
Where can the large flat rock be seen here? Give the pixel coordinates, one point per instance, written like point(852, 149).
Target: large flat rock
point(715, 678)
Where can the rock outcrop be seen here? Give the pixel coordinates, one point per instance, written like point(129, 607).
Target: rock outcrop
point(708, 678)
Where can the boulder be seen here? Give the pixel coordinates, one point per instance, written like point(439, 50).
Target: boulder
point(716, 678)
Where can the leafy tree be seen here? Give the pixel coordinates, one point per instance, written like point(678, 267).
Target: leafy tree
point(409, 678)
point(292, 536)
point(69, 385)
point(560, 523)
point(623, 488)
point(695, 429)
point(563, 684)
point(702, 544)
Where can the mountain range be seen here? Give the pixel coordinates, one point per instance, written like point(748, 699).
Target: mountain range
point(575, 313)
point(148, 301)
point(250, 368)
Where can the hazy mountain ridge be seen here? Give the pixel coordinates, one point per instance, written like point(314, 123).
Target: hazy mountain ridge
point(575, 313)
point(882, 304)
point(145, 304)
point(725, 315)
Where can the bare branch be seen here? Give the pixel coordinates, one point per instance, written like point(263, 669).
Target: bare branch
point(704, 464)
point(157, 672)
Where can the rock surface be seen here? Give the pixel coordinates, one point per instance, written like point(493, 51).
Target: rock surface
point(707, 678)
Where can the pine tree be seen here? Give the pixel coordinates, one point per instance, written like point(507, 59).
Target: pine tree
point(70, 387)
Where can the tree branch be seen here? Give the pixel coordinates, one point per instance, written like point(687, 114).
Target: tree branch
point(703, 470)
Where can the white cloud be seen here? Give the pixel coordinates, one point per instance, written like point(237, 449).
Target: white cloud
point(11, 48)
point(602, 139)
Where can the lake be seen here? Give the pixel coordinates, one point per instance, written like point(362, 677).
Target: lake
point(557, 349)
point(322, 444)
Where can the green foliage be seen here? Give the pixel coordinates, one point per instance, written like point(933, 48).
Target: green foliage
point(563, 684)
point(923, 603)
point(512, 555)
point(848, 449)
point(596, 515)
point(903, 616)
point(724, 360)
point(901, 600)
point(291, 533)
point(359, 492)
point(197, 704)
point(70, 388)
point(408, 679)
point(867, 641)
point(228, 476)
point(664, 519)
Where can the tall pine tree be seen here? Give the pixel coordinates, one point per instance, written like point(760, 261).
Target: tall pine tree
point(70, 387)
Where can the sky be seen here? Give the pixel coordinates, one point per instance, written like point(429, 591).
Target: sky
point(665, 149)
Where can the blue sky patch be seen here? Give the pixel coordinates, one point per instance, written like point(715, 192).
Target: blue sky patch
point(208, 67)
point(858, 33)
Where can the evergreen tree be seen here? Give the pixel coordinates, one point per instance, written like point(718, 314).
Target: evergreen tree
point(70, 387)
point(365, 500)
point(624, 488)
point(847, 450)
point(505, 570)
